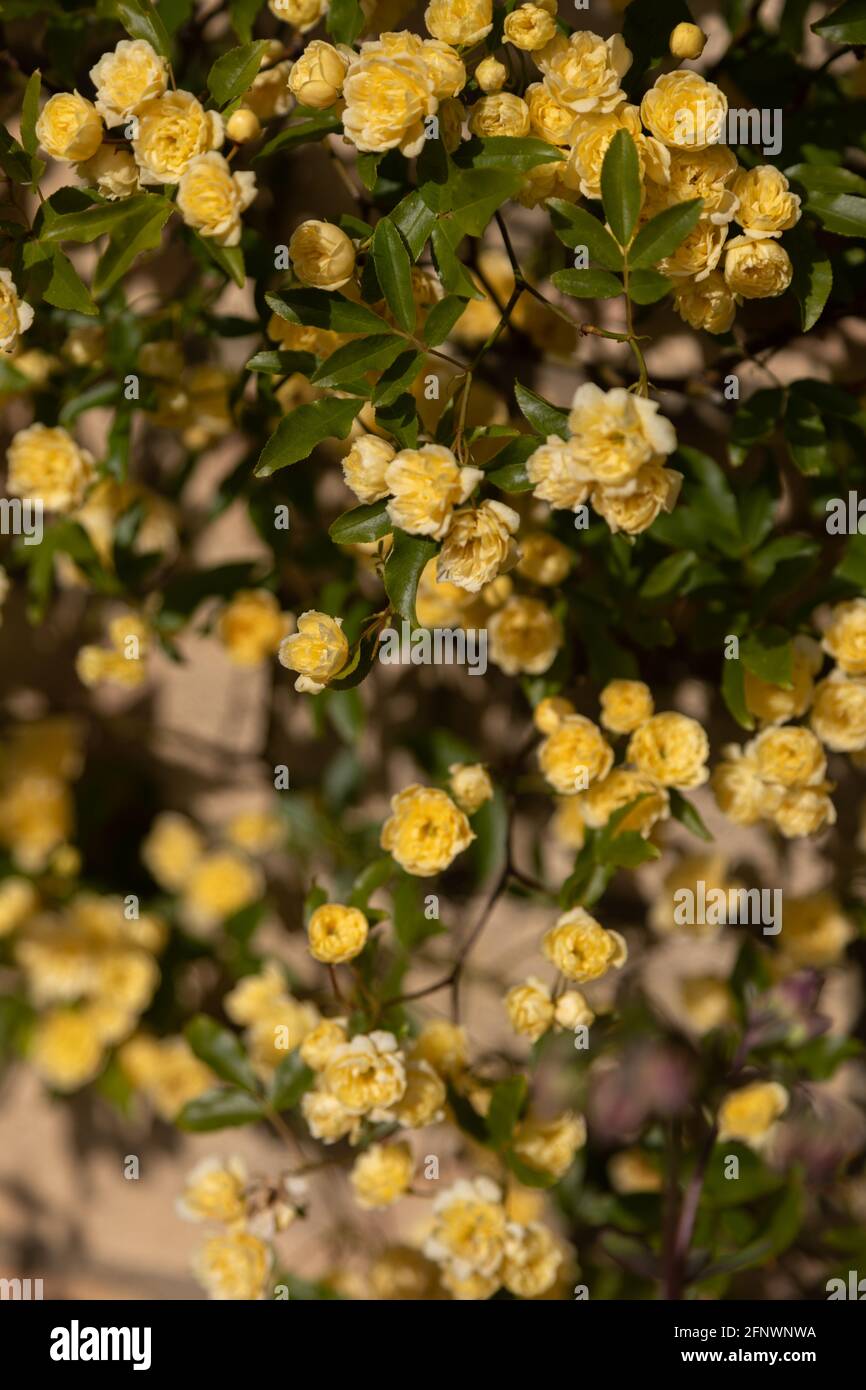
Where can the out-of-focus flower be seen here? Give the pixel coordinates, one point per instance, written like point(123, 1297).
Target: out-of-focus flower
point(336, 933)
point(549, 1146)
point(45, 463)
point(233, 1266)
point(251, 626)
point(470, 786)
point(581, 948)
point(381, 1175)
point(425, 831)
point(748, 1114)
point(220, 883)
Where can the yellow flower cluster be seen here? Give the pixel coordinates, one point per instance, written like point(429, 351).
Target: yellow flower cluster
point(123, 663)
point(425, 831)
point(275, 1021)
point(480, 1251)
point(780, 776)
point(614, 458)
point(37, 764)
point(213, 884)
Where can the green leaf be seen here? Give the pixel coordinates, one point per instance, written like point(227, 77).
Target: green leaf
point(319, 309)
point(311, 127)
point(587, 284)
point(683, 811)
point(508, 468)
point(142, 231)
point(667, 575)
point(648, 286)
point(222, 1051)
point(399, 378)
point(140, 19)
point(544, 418)
point(14, 159)
point(353, 360)
point(369, 522)
point(409, 555)
point(769, 654)
point(221, 1108)
point(291, 1079)
point(813, 275)
point(805, 433)
point(529, 1177)
point(30, 112)
point(754, 422)
point(577, 227)
point(476, 194)
point(415, 221)
point(620, 186)
point(662, 234)
point(506, 1105)
point(230, 259)
point(452, 272)
point(95, 220)
point(297, 434)
point(505, 152)
point(344, 20)
point(243, 15)
point(442, 318)
point(183, 595)
point(282, 363)
point(66, 289)
point(394, 273)
point(845, 25)
point(174, 13)
point(411, 927)
point(233, 73)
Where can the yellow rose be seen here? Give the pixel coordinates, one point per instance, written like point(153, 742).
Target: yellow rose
point(532, 1260)
point(69, 127)
point(550, 712)
point(708, 174)
point(767, 206)
point(739, 788)
point(529, 28)
point(472, 1287)
point(544, 559)
point(173, 130)
point(327, 1119)
point(214, 1191)
point(757, 269)
point(211, 198)
point(634, 507)
point(381, 1175)
point(774, 704)
point(318, 1045)
point(615, 432)
point(337, 933)
point(459, 22)
point(749, 1113)
point(672, 749)
point(125, 79)
point(684, 110)
point(500, 114)
point(707, 303)
point(301, 14)
point(469, 1225)
point(322, 255)
point(113, 171)
point(446, 69)
point(426, 485)
point(251, 626)
point(625, 705)
point(443, 1045)
point(590, 139)
point(367, 1074)
point(839, 713)
point(698, 253)
point(234, 1266)
point(524, 637)
point(170, 850)
point(815, 931)
point(572, 1011)
point(574, 755)
point(584, 72)
point(687, 41)
point(219, 885)
point(318, 651)
point(548, 118)
point(549, 1146)
point(277, 1031)
point(269, 96)
point(618, 789)
point(389, 89)
point(559, 476)
point(845, 638)
point(804, 811)
point(423, 1100)
point(167, 1071)
point(425, 831)
point(255, 832)
point(15, 316)
point(582, 949)
point(491, 75)
point(478, 546)
point(470, 786)
point(243, 125)
point(46, 464)
point(317, 77)
point(791, 757)
point(254, 996)
point(530, 1008)
point(65, 1049)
